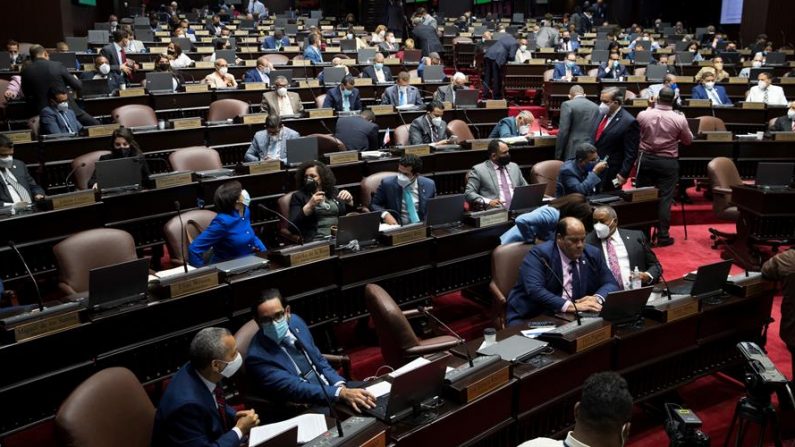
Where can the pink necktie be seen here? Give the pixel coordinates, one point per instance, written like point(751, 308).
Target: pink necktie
point(612, 260)
point(506, 191)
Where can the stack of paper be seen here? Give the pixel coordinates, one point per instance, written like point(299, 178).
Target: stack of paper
point(310, 426)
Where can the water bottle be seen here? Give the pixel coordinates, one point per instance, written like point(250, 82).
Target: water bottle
point(635, 282)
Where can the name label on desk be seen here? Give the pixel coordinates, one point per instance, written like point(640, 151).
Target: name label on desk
point(418, 150)
point(138, 91)
point(583, 50)
point(664, 51)
point(718, 135)
point(362, 81)
point(333, 49)
point(636, 79)
point(640, 102)
point(447, 105)
point(415, 81)
point(248, 49)
point(488, 218)
point(308, 255)
point(204, 64)
point(783, 136)
point(788, 80)
point(321, 113)
point(22, 136)
point(309, 83)
point(738, 80)
point(544, 141)
point(290, 49)
point(147, 65)
point(256, 86)
point(250, 63)
point(594, 338)
point(205, 50)
point(685, 310)
point(536, 62)
point(396, 61)
point(173, 179)
point(702, 103)
point(640, 194)
point(586, 79)
point(546, 50)
point(496, 104)
point(348, 62)
point(194, 284)
point(186, 123)
point(161, 33)
point(382, 109)
point(73, 199)
point(158, 50)
point(338, 158)
point(405, 235)
point(255, 118)
point(754, 105)
point(479, 145)
point(302, 62)
point(103, 130)
point(488, 384)
point(263, 166)
point(195, 88)
point(46, 325)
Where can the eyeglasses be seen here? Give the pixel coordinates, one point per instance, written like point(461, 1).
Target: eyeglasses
point(276, 318)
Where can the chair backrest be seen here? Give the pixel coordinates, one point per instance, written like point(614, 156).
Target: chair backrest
point(640, 71)
point(505, 262)
point(548, 74)
point(277, 59)
point(225, 109)
point(89, 249)
point(402, 134)
point(195, 158)
point(546, 172)
point(395, 334)
point(83, 167)
point(327, 143)
point(244, 335)
point(460, 129)
point(644, 92)
point(298, 57)
point(109, 408)
point(629, 95)
point(195, 221)
point(283, 204)
point(134, 115)
point(722, 173)
point(34, 126)
point(319, 100)
point(369, 185)
point(593, 72)
point(771, 122)
point(710, 124)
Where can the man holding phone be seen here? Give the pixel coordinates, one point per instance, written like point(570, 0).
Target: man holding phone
point(616, 134)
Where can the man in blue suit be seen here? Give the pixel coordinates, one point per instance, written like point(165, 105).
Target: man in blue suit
point(278, 368)
point(58, 118)
point(193, 410)
point(402, 94)
point(708, 90)
point(407, 193)
point(513, 126)
point(312, 51)
point(260, 73)
point(494, 60)
point(556, 272)
point(612, 69)
point(275, 41)
point(345, 97)
point(565, 71)
point(582, 173)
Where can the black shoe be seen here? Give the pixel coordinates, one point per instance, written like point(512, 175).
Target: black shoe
point(664, 241)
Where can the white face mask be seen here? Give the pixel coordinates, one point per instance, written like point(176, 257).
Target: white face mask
point(281, 91)
point(390, 39)
point(403, 180)
point(762, 85)
point(104, 69)
point(523, 130)
point(6, 161)
point(223, 71)
point(231, 368)
point(756, 64)
point(349, 36)
point(604, 109)
point(709, 85)
point(437, 121)
point(602, 231)
point(791, 114)
point(246, 197)
point(63, 106)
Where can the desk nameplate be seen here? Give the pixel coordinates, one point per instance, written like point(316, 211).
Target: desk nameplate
point(73, 199)
point(102, 130)
point(321, 113)
point(754, 105)
point(382, 109)
point(192, 283)
point(338, 158)
point(46, 325)
point(19, 137)
point(256, 86)
point(418, 150)
point(128, 92)
point(487, 218)
point(302, 254)
point(640, 194)
point(255, 118)
point(405, 235)
point(496, 104)
point(171, 180)
point(196, 88)
point(186, 123)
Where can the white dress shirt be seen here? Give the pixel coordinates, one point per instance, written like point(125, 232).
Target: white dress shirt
point(118, 53)
point(5, 175)
point(775, 95)
point(285, 105)
point(623, 257)
point(546, 442)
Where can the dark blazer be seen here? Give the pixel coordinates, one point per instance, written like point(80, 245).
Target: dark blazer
point(426, 39)
point(114, 155)
point(109, 51)
point(639, 254)
point(389, 196)
point(37, 79)
point(356, 133)
point(334, 99)
point(620, 140)
point(272, 371)
point(254, 76)
point(187, 415)
point(420, 131)
point(537, 290)
point(369, 72)
point(699, 92)
point(613, 74)
point(782, 124)
point(20, 172)
point(502, 50)
point(506, 127)
point(52, 122)
point(560, 71)
point(308, 224)
point(572, 179)
point(269, 42)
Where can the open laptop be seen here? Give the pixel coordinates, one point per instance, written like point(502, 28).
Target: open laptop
point(77, 44)
point(68, 59)
point(119, 174)
point(118, 284)
point(360, 227)
point(445, 211)
point(412, 56)
point(774, 175)
point(684, 58)
point(642, 57)
point(527, 197)
point(95, 88)
point(775, 58)
point(410, 390)
point(301, 149)
point(333, 75)
point(348, 45)
point(98, 36)
point(433, 73)
point(656, 72)
point(599, 56)
point(160, 82)
point(625, 306)
point(288, 74)
point(730, 57)
point(365, 56)
point(5, 61)
point(466, 99)
point(709, 281)
point(227, 55)
point(186, 45)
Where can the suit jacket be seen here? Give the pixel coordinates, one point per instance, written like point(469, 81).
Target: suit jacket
point(253, 75)
point(334, 99)
point(782, 124)
point(444, 93)
point(389, 47)
point(573, 47)
point(37, 79)
point(572, 179)
point(20, 172)
point(187, 415)
point(109, 51)
point(620, 140)
point(313, 54)
point(420, 131)
point(392, 96)
point(356, 133)
point(483, 185)
point(270, 102)
point(782, 268)
point(502, 50)
point(269, 42)
point(308, 224)
point(560, 71)
point(506, 127)
point(585, 25)
point(426, 39)
point(547, 37)
point(272, 371)
point(537, 224)
point(52, 122)
point(576, 116)
point(389, 197)
point(639, 255)
point(369, 72)
point(537, 290)
point(621, 71)
point(699, 92)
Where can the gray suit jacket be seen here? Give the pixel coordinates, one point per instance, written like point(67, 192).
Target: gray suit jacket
point(420, 131)
point(270, 102)
point(483, 185)
point(444, 93)
point(576, 120)
point(391, 96)
point(547, 37)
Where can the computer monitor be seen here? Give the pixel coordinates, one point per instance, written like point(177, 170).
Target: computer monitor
point(360, 227)
point(119, 173)
point(450, 30)
point(642, 57)
point(774, 174)
point(625, 306)
point(227, 55)
point(5, 60)
point(184, 43)
point(775, 58)
point(527, 197)
point(433, 73)
point(301, 149)
point(412, 56)
point(98, 36)
point(599, 56)
point(333, 75)
point(656, 72)
point(710, 279)
point(410, 389)
point(730, 57)
point(602, 45)
point(466, 99)
point(365, 56)
point(684, 58)
point(68, 59)
point(348, 45)
point(94, 88)
point(78, 44)
point(115, 285)
point(288, 74)
point(445, 211)
point(161, 82)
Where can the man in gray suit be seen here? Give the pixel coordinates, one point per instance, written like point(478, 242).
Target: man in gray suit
point(576, 122)
point(447, 92)
point(402, 94)
point(271, 143)
point(430, 128)
point(490, 184)
point(280, 101)
point(547, 36)
point(16, 183)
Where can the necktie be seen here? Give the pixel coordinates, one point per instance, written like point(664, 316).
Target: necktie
point(715, 98)
point(601, 128)
point(402, 100)
point(434, 131)
point(221, 401)
point(123, 56)
point(612, 260)
point(576, 292)
point(13, 184)
point(411, 210)
point(346, 104)
point(300, 361)
point(66, 122)
point(506, 191)
point(764, 100)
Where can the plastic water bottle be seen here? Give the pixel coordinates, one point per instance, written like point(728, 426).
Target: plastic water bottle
point(635, 282)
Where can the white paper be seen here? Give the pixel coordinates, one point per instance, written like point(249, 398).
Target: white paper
point(485, 345)
point(373, 154)
point(414, 364)
point(535, 332)
point(386, 227)
point(379, 389)
point(310, 426)
point(171, 272)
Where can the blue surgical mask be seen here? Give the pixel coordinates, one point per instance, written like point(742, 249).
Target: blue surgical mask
point(674, 86)
point(378, 66)
point(277, 330)
point(346, 92)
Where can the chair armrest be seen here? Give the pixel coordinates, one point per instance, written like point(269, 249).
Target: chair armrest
point(432, 345)
point(414, 313)
point(721, 190)
point(342, 362)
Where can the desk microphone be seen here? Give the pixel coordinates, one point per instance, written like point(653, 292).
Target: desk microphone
point(281, 216)
point(30, 274)
point(433, 317)
point(178, 207)
point(71, 173)
point(557, 278)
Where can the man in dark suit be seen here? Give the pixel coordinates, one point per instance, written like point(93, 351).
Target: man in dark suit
point(494, 60)
point(16, 183)
point(785, 123)
point(276, 41)
point(214, 26)
point(618, 138)
point(358, 133)
point(567, 69)
point(581, 174)
point(260, 73)
point(556, 272)
point(193, 410)
point(623, 249)
point(58, 118)
point(402, 94)
point(425, 38)
point(278, 369)
point(708, 90)
point(586, 22)
point(430, 128)
point(612, 69)
point(378, 72)
point(116, 54)
point(407, 193)
point(345, 97)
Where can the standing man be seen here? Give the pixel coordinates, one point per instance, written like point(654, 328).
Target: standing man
point(576, 118)
point(782, 268)
point(426, 38)
point(491, 184)
point(494, 60)
point(116, 54)
point(662, 130)
point(616, 134)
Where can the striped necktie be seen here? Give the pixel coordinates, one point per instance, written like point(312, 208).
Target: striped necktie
point(12, 183)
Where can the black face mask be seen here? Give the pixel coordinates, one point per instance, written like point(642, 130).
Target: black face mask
point(565, 39)
point(163, 67)
point(504, 160)
point(310, 185)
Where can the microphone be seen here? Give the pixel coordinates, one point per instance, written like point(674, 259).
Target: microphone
point(30, 274)
point(71, 173)
point(433, 317)
point(557, 278)
point(300, 346)
point(178, 207)
point(281, 216)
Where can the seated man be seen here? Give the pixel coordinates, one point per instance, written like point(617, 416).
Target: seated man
point(193, 410)
point(556, 272)
point(513, 126)
point(312, 51)
point(755, 63)
point(785, 123)
point(432, 59)
point(708, 90)
point(716, 69)
point(344, 97)
point(581, 174)
point(335, 63)
point(430, 128)
point(102, 71)
point(402, 94)
point(58, 118)
point(278, 369)
point(612, 69)
point(490, 184)
point(280, 101)
point(601, 417)
point(378, 72)
point(408, 192)
point(359, 132)
point(567, 44)
point(271, 143)
point(260, 72)
point(653, 90)
point(17, 184)
point(764, 91)
point(275, 41)
point(664, 61)
point(623, 249)
point(447, 92)
point(568, 69)
point(523, 54)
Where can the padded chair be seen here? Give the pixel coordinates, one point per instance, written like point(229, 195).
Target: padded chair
point(109, 408)
point(277, 59)
point(723, 175)
point(369, 185)
point(134, 115)
point(319, 100)
point(546, 172)
point(284, 209)
point(195, 158)
point(195, 221)
point(402, 134)
point(505, 262)
point(225, 109)
point(629, 95)
point(460, 129)
point(327, 143)
point(639, 71)
point(548, 74)
point(399, 343)
point(83, 167)
point(710, 124)
point(87, 250)
point(594, 72)
point(771, 123)
point(643, 92)
point(35, 127)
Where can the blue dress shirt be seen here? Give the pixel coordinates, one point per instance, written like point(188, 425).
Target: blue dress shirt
point(229, 235)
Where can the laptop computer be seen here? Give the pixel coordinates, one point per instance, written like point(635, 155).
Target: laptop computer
point(450, 30)
point(601, 45)
point(241, 265)
point(98, 36)
point(105, 26)
point(412, 56)
point(445, 211)
point(145, 34)
point(479, 30)
point(599, 56)
point(730, 57)
point(656, 72)
point(360, 227)
point(775, 58)
point(184, 43)
point(248, 24)
point(119, 174)
point(227, 55)
point(365, 55)
point(288, 74)
point(5, 60)
point(160, 82)
point(625, 306)
point(95, 88)
point(115, 285)
point(684, 58)
point(68, 59)
point(466, 99)
point(774, 175)
point(301, 149)
point(433, 73)
point(290, 29)
point(642, 57)
point(517, 17)
point(410, 390)
point(333, 75)
point(527, 197)
point(709, 281)
point(78, 44)
point(515, 348)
